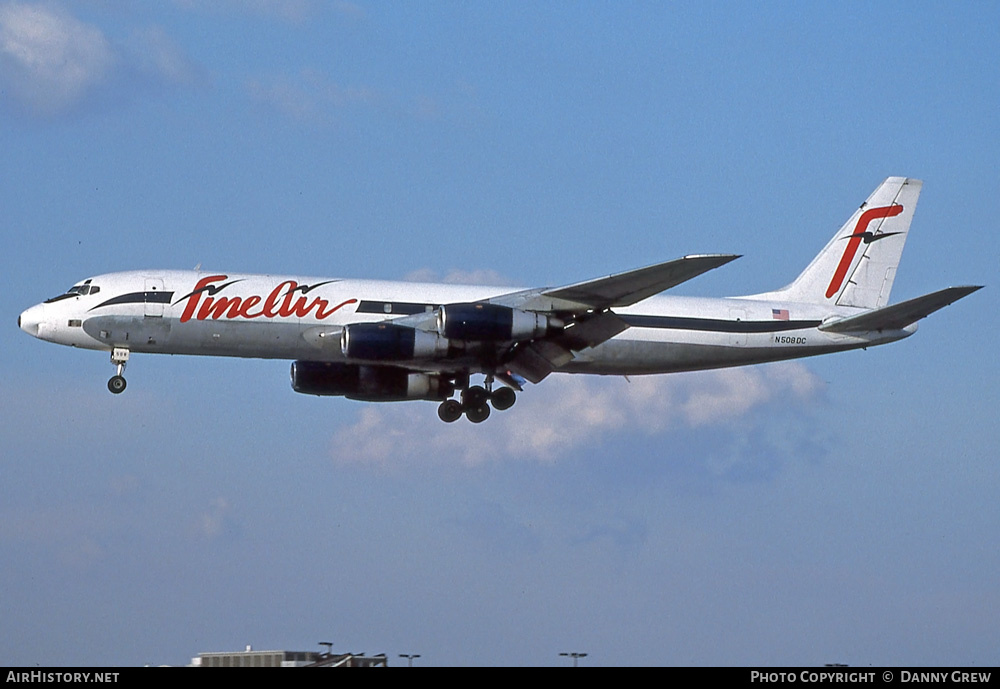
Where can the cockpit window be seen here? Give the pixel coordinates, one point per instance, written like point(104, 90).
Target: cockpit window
point(68, 294)
point(76, 291)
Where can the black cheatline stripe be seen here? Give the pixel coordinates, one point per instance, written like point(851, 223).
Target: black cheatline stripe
point(715, 324)
point(151, 297)
point(405, 308)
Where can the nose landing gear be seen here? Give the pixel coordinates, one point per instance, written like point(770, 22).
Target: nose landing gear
point(119, 357)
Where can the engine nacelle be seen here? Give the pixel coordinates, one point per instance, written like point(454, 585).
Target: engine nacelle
point(388, 342)
point(480, 322)
point(368, 383)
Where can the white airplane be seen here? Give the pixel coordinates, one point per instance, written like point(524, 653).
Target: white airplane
point(384, 341)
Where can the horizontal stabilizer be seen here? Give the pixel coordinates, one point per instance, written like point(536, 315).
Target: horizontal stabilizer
point(898, 316)
point(625, 289)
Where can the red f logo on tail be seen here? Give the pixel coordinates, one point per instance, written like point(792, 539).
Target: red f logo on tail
point(859, 234)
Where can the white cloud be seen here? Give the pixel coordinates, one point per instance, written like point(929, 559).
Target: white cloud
point(49, 60)
point(212, 521)
point(289, 10)
point(154, 54)
point(292, 11)
point(485, 276)
point(309, 96)
point(568, 413)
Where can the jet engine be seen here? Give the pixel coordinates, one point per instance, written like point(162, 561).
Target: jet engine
point(388, 342)
point(367, 383)
point(481, 322)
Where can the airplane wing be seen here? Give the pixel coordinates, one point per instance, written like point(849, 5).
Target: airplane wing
point(898, 316)
point(589, 306)
point(621, 289)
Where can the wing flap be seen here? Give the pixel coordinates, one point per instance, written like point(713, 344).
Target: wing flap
point(536, 360)
point(898, 316)
point(592, 331)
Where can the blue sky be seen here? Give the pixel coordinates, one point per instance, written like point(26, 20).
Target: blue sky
point(839, 509)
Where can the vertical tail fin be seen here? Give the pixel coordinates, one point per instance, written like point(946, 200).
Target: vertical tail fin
point(859, 264)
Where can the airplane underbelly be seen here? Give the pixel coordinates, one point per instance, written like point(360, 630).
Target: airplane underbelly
point(648, 356)
point(223, 337)
point(137, 333)
point(273, 340)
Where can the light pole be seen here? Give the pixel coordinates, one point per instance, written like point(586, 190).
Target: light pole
point(575, 656)
point(409, 658)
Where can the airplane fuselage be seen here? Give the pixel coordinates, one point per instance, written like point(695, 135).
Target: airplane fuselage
point(293, 317)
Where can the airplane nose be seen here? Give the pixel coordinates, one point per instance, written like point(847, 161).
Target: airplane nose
point(28, 321)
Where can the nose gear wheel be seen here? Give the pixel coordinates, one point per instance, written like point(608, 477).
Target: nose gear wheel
point(119, 357)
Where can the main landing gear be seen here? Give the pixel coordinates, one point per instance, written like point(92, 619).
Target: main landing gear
point(476, 401)
point(119, 357)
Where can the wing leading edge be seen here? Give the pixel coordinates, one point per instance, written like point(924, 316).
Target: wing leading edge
point(621, 289)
